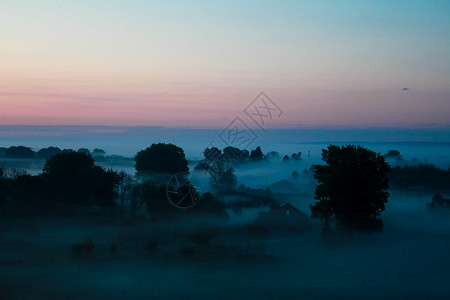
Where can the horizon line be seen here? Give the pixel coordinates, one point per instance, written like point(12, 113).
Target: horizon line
point(298, 127)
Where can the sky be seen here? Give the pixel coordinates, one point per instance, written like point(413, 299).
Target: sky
point(200, 64)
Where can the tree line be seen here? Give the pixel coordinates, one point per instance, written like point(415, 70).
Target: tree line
point(351, 191)
point(23, 152)
point(70, 180)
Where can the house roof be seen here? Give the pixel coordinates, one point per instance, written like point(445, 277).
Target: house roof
point(282, 185)
point(292, 210)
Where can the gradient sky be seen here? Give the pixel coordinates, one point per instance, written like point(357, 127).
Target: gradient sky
point(199, 63)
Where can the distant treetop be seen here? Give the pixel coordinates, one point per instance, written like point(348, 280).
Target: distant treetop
point(393, 154)
point(84, 150)
point(98, 151)
point(256, 155)
point(66, 163)
point(46, 153)
point(19, 152)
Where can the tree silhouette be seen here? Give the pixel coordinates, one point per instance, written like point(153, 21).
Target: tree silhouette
point(296, 156)
point(155, 198)
point(29, 194)
point(222, 177)
point(68, 163)
point(234, 153)
point(20, 152)
point(211, 206)
point(98, 151)
point(46, 153)
point(212, 153)
point(161, 158)
point(14, 173)
point(256, 155)
point(5, 188)
point(352, 187)
point(125, 188)
point(74, 179)
point(424, 175)
point(84, 150)
point(394, 154)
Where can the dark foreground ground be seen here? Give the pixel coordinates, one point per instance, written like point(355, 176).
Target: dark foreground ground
point(409, 260)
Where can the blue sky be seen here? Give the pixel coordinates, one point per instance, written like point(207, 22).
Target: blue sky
point(199, 63)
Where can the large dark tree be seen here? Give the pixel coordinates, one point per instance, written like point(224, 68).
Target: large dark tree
point(352, 187)
point(161, 158)
point(74, 179)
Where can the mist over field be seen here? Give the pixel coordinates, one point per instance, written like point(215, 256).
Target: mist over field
point(408, 260)
point(427, 145)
